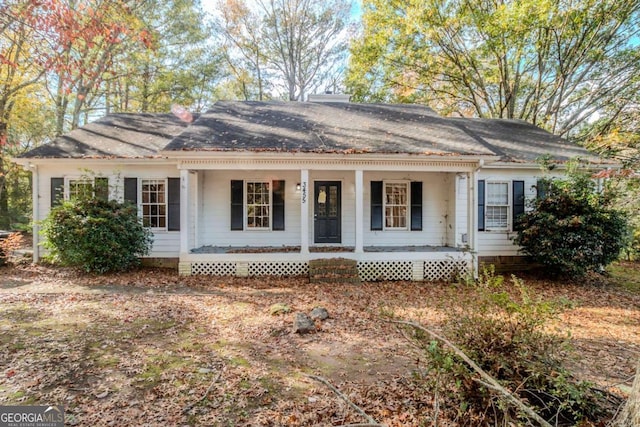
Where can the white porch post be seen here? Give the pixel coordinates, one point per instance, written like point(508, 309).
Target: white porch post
point(185, 210)
point(359, 211)
point(35, 184)
point(304, 211)
point(472, 220)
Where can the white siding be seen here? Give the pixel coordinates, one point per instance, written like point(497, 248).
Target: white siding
point(165, 243)
point(215, 210)
point(444, 205)
point(437, 192)
point(461, 208)
point(495, 243)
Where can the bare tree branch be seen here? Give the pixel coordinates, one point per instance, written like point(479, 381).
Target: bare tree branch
point(489, 381)
point(370, 421)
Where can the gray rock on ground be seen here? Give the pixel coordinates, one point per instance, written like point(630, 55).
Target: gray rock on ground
point(303, 324)
point(319, 313)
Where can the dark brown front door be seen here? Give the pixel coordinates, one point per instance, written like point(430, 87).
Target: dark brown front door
point(327, 212)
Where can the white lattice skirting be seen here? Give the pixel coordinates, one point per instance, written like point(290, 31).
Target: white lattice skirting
point(244, 269)
point(369, 271)
point(446, 269)
point(372, 271)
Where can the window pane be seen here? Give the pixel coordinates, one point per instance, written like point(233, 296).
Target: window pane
point(154, 208)
point(497, 193)
point(333, 201)
point(496, 217)
point(396, 200)
point(258, 204)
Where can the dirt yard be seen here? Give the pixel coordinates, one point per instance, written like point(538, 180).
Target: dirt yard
point(152, 348)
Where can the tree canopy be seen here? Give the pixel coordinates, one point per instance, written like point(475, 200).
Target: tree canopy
point(290, 46)
point(557, 64)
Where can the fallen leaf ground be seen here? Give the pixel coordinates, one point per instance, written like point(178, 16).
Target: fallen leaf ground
point(152, 348)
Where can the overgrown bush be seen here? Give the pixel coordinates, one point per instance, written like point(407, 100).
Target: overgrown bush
point(504, 331)
point(96, 235)
point(572, 228)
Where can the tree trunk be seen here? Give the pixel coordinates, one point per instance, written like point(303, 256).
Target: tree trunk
point(146, 77)
point(61, 107)
point(630, 414)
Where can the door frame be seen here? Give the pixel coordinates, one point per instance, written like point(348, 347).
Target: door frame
point(316, 182)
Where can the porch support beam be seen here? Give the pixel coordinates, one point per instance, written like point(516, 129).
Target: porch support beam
point(185, 218)
point(359, 199)
point(304, 211)
point(472, 219)
point(35, 185)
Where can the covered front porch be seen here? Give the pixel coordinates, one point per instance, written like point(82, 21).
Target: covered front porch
point(399, 220)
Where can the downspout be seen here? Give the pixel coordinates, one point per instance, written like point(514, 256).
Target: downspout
point(35, 191)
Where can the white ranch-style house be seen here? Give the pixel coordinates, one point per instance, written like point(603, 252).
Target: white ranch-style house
point(262, 188)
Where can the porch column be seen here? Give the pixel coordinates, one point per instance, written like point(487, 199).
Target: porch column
point(185, 210)
point(359, 212)
point(35, 185)
point(304, 211)
point(472, 220)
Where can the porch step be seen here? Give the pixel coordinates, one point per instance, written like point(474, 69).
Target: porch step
point(333, 270)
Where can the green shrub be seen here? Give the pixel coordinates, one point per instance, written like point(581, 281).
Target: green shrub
point(504, 331)
point(96, 235)
point(572, 229)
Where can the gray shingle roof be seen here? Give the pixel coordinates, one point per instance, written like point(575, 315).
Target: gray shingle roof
point(326, 128)
point(309, 127)
point(519, 141)
point(116, 135)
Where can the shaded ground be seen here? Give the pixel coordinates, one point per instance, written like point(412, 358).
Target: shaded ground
point(143, 348)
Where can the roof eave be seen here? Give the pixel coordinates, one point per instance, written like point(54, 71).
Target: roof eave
point(203, 154)
point(502, 164)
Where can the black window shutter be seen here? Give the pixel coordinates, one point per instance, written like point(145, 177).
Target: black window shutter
point(518, 201)
point(541, 188)
point(131, 190)
point(277, 203)
point(173, 204)
point(416, 206)
point(237, 211)
point(101, 188)
point(376, 205)
point(57, 191)
point(481, 205)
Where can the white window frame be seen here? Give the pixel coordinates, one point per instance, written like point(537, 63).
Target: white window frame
point(141, 204)
point(268, 205)
point(407, 185)
point(508, 206)
point(70, 180)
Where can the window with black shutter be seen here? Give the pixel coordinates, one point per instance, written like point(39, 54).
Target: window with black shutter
point(173, 204)
point(237, 204)
point(518, 202)
point(416, 206)
point(481, 203)
point(277, 202)
point(57, 191)
point(376, 205)
point(131, 190)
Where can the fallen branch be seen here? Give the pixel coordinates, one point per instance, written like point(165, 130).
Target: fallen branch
point(204, 396)
point(489, 381)
point(629, 416)
point(370, 421)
